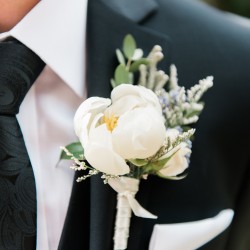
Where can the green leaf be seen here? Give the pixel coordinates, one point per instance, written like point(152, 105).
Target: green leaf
point(175, 178)
point(121, 75)
point(120, 57)
point(155, 166)
point(129, 46)
point(113, 83)
point(139, 162)
point(74, 148)
point(135, 65)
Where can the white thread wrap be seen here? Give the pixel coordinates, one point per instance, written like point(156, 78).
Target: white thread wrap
point(126, 189)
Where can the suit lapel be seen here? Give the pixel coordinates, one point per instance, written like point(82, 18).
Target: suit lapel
point(135, 11)
point(95, 212)
point(105, 32)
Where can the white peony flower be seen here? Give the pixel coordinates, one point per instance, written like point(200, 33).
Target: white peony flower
point(178, 162)
point(128, 126)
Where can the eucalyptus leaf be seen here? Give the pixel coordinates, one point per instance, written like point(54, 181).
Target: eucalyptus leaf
point(139, 162)
point(113, 83)
point(135, 65)
point(120, 57)
point(74, 148)
point(129, 46)
point(121, 75)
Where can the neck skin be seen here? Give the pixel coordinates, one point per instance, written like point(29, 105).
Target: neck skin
point(11, 12)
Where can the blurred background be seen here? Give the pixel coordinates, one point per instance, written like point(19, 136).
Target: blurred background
point(240, 7)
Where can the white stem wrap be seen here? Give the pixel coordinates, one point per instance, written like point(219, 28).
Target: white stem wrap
point(126, 188)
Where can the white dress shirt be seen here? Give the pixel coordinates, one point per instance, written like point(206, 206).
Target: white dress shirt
point(55, 30)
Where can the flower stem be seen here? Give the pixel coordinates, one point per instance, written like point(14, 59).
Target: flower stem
point(122, 223)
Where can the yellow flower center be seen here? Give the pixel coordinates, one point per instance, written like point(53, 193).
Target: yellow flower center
point(111, 122)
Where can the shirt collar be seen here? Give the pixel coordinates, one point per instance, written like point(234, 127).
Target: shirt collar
point(55, 30)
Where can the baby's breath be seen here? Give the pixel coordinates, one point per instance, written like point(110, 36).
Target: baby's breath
point(91, 173)
point(79, 165)
point(107, 177)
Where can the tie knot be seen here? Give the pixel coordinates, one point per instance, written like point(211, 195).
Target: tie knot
point(19, 68)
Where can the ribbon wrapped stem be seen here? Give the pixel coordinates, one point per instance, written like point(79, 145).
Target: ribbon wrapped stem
point(126, 189)
point(122, 222)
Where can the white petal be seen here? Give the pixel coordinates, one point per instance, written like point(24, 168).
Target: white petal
point(106, 160)
point(150, 97)
point(87, 126)
point(93, 105)
point(101, 136)
point(100, 154)
point(178, 163)
point(139, 133)
point(123, 105)
point(83, 131)
point(146, 95)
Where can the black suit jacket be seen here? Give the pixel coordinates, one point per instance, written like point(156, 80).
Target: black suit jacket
point(200, 41)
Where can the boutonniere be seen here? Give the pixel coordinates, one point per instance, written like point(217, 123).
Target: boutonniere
point(143, 129)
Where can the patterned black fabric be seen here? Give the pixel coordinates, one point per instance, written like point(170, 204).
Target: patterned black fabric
point(19, 67)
